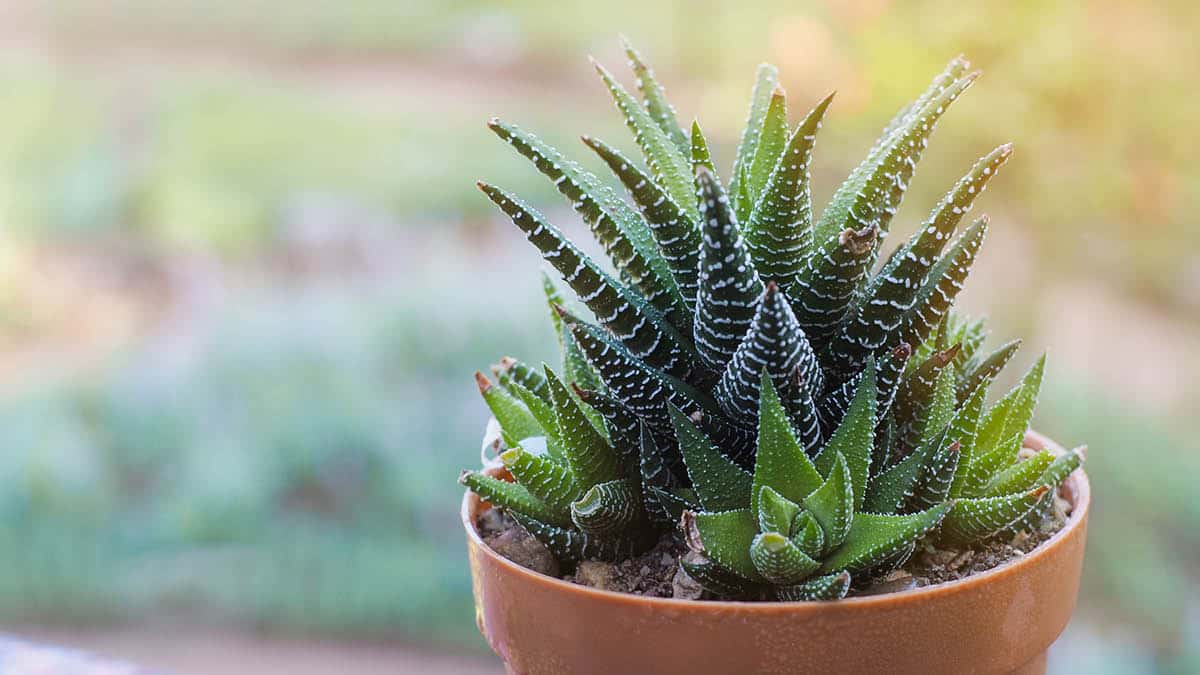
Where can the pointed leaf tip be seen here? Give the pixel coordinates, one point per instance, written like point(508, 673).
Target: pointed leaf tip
point(482, 382)
point(946, 356)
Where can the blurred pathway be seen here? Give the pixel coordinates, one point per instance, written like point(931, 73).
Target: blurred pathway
point(205, 652)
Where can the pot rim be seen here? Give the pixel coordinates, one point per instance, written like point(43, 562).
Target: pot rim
point(1078, 490)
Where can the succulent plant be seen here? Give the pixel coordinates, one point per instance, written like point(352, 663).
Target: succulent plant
point(744, 375)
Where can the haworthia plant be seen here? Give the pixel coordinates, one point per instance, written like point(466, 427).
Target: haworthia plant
point(744, 380)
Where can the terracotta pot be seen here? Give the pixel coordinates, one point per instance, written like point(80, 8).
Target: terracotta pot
point(999, 621)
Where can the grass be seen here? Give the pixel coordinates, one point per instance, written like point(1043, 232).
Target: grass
point(1093, 97)
point(295, 471)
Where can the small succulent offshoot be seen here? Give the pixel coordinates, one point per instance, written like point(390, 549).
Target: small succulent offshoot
point(743, 378)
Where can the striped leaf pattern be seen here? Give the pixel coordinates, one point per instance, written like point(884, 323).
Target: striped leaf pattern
point(747, 378)
point(779, 230)
point(729, 285)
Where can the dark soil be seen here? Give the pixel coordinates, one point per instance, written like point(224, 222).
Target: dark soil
point(931, 565)
point(651, 574)
point(506, 537)
point(656, 573)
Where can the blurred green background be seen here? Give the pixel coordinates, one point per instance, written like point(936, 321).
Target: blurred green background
point(245, 278)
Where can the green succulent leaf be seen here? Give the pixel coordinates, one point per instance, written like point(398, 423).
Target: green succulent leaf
point(651, 465)
point(775, 512)
point(933, 486)
point(666, 507)
point(1021, 413)
point(808, 535)
point(671, 225)
point(570, 546)
point(836, 269)
point(512, 496)
point(982, 372)
point(775, 345)
point(510, 372)
point(872, 195)
point(893, 291)
point(873, 538)
point(720, 484)
point(729, 285)
point(781, 462)
point(942, 285)
point(543, 413)
point(855, 437)
point(621, 424)
point(637, 325)
point(779, 229)
point(955, 69)
point(716, 579)
point(621, 231)
point(640, 387)
point(725, 537)
point(1062, 467)
point(766, 80)
point(607, 509)
point(547, 480)
point(893, 487)
point(1023, 475)
point(972, 520)
point(828, 587)
point(834, 405)
point(940, 409)
point(779, 561)
point(832, 504)
point(516, 422)
point(591, 459)
point(913, 409)
point(667, 162)
point(654, 96)
point(576, 368)
point(965, 425)
point(699, 152)
point(987, 465)
point(806, 416)
point(771, 141)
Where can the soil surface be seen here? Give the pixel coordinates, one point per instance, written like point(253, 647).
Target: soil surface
point(651, 573)
point(656, 573)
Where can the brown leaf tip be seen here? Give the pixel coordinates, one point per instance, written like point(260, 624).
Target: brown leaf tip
point(943, 357)
point(484, 384)
point(858, 242)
